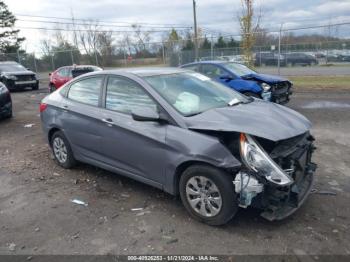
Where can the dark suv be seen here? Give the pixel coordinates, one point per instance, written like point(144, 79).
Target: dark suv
point(268, 59)
point(292, 59)
point(17, 77)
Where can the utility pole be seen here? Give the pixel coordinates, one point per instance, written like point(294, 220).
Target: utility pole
point(279, 50)
point(195, 31)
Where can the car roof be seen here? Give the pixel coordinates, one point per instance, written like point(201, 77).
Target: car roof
point(146, 71)
point(217, 62)
point(214, 62)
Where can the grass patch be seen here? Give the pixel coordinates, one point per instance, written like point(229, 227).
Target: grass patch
point(342, 82)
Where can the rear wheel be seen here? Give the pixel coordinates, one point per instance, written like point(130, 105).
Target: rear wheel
point(62, 151)
point(208, 194)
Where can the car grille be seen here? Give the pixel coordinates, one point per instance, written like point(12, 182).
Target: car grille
point(25, 77)
point(280, 88)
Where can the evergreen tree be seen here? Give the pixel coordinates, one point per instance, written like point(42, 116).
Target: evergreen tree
point(189, 44)
point(220, 43)
point(206, 44)
point(9, 40)
point(233, 43)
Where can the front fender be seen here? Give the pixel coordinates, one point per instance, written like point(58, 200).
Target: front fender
point(185, 145)
point(242, 86)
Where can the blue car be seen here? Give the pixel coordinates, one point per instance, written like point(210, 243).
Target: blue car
point(245, 80)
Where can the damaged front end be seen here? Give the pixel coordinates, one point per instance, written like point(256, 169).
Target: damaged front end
point(277, 176)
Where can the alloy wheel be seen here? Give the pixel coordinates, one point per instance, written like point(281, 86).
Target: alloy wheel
point(60, 150)
point(203, 196)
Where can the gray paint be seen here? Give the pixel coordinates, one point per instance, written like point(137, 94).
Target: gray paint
point(151, 152)
point(259, 118)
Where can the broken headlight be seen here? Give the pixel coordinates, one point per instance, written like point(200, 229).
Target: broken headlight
point(256, 159)
point(265, 87)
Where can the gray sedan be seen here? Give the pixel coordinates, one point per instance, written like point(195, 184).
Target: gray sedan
point(179, 131)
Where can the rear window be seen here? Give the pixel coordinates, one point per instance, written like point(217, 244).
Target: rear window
point(86, 91)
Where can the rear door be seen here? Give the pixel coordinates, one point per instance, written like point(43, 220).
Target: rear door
point(135, 147)
point(80, 116)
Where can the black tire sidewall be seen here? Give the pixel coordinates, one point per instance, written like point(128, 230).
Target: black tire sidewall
point(223, 181)
point(70, 162)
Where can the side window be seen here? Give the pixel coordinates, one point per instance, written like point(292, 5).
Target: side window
point(212, 71)
point(192, 67)
point(124, 95)
point(63, 72)
point(86, 91)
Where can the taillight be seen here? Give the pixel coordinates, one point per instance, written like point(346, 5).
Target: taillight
point(42, 107)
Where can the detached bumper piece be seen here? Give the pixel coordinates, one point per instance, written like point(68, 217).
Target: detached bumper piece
point(280, 92)
point(281, 202)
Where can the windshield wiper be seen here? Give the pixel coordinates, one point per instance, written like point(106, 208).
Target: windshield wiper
point(234, 102)
point(194, 114)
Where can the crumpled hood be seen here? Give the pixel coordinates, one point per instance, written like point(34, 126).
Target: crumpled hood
point(259, 118)
point(265, 78)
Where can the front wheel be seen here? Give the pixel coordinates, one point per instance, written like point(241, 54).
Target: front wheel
point(208, 194)
point(36, 87)
point(62, 151)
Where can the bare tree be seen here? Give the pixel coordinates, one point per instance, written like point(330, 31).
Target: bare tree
point(105, 47)
point(249, 24)
point(89, 38)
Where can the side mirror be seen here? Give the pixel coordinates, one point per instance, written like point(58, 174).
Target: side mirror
point(146, 114)
point(226, 77)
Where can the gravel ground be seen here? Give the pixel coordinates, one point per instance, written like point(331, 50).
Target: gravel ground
point(38, 217)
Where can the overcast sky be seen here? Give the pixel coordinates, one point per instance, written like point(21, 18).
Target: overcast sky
point(218, 15)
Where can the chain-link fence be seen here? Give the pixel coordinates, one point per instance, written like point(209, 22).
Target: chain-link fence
point(282, 48)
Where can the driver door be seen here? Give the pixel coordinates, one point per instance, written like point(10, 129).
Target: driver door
point(135, 147)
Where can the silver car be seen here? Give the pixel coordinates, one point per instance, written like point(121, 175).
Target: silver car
point(181, 132)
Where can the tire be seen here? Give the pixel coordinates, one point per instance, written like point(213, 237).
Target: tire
point(225, 205)
point(10, 114)
point(62, 151)
point(52, 88)
point(36, 87)
point(252, 94)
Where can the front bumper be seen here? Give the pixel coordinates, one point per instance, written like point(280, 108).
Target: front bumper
point(17, 85)
point(278, 202)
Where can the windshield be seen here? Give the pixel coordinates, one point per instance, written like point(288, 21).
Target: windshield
point(239, 69)
point(193, 93)
point(11, 68)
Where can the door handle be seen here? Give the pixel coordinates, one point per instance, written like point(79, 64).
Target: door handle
point(65, 108)
point(108, 121)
